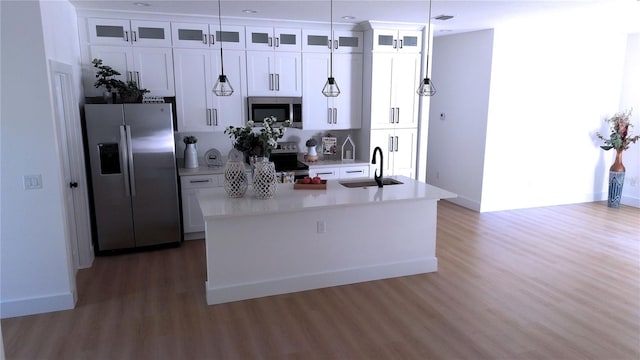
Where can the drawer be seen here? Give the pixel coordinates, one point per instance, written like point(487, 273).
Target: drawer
point(200, 181)
point(326, 173)
point(347, 172)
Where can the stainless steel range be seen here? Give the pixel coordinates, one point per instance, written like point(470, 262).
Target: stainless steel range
point(285, 159)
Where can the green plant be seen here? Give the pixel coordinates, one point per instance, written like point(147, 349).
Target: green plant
point(190, 139)
point(619, 138)
point(257, 143)
point(105, 76)
point(130, 92)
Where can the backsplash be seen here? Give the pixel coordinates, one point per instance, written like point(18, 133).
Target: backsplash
point(222, 142)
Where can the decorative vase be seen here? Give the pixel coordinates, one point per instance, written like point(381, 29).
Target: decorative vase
point(616, 181)
point(235, 178)
point(264, 179)
point(312, 154)
point(190, 156)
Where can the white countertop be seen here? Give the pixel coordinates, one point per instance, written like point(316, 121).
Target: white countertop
point(215, 203)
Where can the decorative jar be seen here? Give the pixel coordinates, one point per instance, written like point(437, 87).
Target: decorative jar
point(190, 156)
point(235, 178)
point(264, 179)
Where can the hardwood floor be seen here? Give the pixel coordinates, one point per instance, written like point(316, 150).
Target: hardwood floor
point(558, 282)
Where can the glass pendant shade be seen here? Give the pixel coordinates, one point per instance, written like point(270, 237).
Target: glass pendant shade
point(331, 88)
point(426, 88)
point(223, 87)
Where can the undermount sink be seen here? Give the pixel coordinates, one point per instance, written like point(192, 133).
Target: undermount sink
point(369, 182)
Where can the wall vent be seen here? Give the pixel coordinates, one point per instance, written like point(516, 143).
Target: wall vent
point(444, 17)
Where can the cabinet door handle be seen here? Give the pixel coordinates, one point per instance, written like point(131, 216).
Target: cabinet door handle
point(126, 36)
point(355, 171)
point(335, 44)
point(395, 148)
point(328, 43)
point(134, 36)
point(398, 115)
point(325, 173)
point(277, 82)
point(208, 117)
point(392, 113)
point(199, 181)
point(212, 39)
point(335, 115)
point(204, 38)
point(329, 115)
point(138, 78)
point(270, 81)
point(390, 143)
point(277, 42)
point(215, 117)
point(401, 43)
point(395, 44)
point(270, 41)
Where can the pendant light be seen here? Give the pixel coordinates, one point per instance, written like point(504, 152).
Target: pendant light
point(223, 86)
point(331, 88)
point(426, 87)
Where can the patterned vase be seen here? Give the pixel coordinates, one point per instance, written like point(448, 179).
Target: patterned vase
point(264, 179)
point(616, 180)
point(235, 178)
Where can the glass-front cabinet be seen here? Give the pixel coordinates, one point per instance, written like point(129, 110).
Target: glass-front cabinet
point(270, 38)
point(408, 41)
point(200, 35)
point(342, 41)
point(129, 32)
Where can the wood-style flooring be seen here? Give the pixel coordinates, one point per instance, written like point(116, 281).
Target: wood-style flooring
point(558, 282)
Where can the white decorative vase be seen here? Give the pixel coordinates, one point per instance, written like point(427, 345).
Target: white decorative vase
point(264, 179)
point(190, 156)
point(235, 178)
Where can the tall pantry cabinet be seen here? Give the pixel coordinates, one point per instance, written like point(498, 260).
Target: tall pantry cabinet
point(392, 70)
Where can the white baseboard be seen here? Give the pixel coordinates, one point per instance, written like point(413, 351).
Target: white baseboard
point(465, 202)
point(630, 201)
point(219, 295)
point(37, 305)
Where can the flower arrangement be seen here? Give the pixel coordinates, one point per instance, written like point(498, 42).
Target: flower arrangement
point(619, 138)
point(190, 139)
point(257, 143)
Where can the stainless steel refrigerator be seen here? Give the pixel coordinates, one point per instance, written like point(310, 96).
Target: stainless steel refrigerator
point(133, 175)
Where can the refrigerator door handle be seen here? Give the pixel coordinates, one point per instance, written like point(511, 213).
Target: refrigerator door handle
point(123, 160)
point(132, 175)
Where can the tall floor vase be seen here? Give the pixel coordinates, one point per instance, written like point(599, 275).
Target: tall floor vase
point(616, 181)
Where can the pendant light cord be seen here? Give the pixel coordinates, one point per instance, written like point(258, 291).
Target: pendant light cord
point(426, 75)
point(331, 43)
point(220, 23)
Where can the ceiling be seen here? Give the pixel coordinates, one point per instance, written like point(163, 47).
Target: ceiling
point(468, 15)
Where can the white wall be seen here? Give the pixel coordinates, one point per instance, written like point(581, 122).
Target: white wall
point(551, 86)
point(461, 74)
point(552, 83)
point(35, 268)
point(630, 99)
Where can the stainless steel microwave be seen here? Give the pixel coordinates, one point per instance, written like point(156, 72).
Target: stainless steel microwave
point(283, 108)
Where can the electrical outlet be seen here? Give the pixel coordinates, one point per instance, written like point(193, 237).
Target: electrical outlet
point(321, 227)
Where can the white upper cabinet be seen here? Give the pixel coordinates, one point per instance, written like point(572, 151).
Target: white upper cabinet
point(341, 112)
point(149, 67)
point(197, 107)
point(270, 38)
point(394, 103)
point(392, 40)
point(274, 74)
point(200, 35)
point(129, 32)
point(341, 41)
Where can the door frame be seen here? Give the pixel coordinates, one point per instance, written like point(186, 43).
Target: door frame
point(71, 152)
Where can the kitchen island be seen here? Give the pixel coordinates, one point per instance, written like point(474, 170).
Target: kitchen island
point(307, 239)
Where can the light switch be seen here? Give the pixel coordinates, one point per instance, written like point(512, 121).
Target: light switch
point(32, 182)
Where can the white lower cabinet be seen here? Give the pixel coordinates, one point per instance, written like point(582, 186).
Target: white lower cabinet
point(339, 171)
point(399, 147)
point(191, 214)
